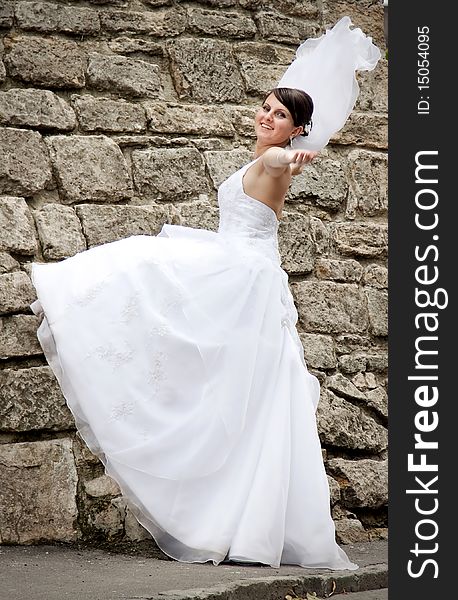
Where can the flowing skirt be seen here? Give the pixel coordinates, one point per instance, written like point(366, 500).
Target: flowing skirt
point(180, 361)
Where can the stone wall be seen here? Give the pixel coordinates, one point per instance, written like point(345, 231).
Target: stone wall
point(117, 116)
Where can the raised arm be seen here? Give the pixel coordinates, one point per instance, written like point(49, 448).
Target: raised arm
point(276, 160)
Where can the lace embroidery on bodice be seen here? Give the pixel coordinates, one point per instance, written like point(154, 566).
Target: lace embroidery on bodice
point(247, 218)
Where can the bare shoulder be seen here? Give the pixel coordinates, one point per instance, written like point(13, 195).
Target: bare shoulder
point(259, 183)
point(259, 172)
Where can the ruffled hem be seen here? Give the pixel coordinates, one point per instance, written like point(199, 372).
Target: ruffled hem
point(180, 380)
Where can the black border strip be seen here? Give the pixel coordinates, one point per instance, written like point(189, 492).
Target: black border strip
point(421, 126)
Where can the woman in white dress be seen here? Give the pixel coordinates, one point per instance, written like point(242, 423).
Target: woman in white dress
point(179, 357)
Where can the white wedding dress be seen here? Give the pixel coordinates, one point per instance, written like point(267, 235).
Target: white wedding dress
point(179, 357)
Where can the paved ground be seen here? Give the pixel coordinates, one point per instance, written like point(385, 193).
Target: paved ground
point(371, 595)
point(60, 572)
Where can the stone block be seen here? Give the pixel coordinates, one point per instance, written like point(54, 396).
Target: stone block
point(128, 45)
point(132, 528)
point(276, 27)
point(363, 129)
point(24, 162)
point(344, 425)
point(323, 182)
point(376, 276)
point(105, 115)
point(363, 483)
point(2, 72)
point(205, 70)
point(377, 361)
point(295, 243)
point(377, 303)
point(18, 336)
point(7, 262)
point(46, 61)
point(166, 2)
point(6, 14)
point(17, 233)
point(371, 381)
point(305, 8)
point(59, 231)
point(373, 85)
point(360, 239)
point(133, 77)
point(309, 9)
point(319, 350)
point(89, 168)
point(377, 399)
point(40, 109)
point(320, 235)
point(350, 531)
point(328, 307)
point(359, 380)
point(103, 224)
point(221, 164)
point(349, 342)
point(352, 363)
point(262, 65)
point(31, 400)
point(205, 144)
point(367, 15)
point(334, 490)
point(218, 23)
point(189, 119)
point(101, 486)
point(344, 387)
point(133, 531)
point(49, 17)
point(38, 492)
point(16, 292)
point(198, 214)
point(84, 459)
point(169, 174)
point(378, 533)
point(217, 3)
point(349, 271)
point(107, 520)
point(243, 120)
point(368, 176)
point(161, 23)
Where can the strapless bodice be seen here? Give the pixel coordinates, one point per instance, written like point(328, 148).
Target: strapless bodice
point(246, 218)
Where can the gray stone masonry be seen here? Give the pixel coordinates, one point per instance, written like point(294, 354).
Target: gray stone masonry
point(89, 168)
point(35, 514)
point(40, 109)
point(129, 76)
point(17, 234)
point(24, 162)
point(49, 17)
point(117, 117)
point(44, 61)
point(205, 70)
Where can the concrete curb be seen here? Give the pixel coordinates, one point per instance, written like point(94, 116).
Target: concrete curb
point(372, 577)
point(55, 572)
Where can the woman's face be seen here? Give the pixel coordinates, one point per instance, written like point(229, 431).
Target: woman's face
point(273, 123)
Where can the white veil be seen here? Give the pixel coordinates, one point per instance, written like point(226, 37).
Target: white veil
point(325, 68)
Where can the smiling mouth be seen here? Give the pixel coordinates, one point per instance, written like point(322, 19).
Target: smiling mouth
point(264, 126)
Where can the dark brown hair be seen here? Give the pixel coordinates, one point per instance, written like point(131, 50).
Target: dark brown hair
point(299, 104)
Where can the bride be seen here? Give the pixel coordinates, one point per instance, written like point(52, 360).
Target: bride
point(179, 358)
